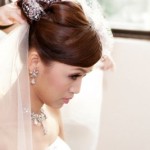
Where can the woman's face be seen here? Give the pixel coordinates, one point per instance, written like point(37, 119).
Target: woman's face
point(56, 84)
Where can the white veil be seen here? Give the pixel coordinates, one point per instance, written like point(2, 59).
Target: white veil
point(94, 12)
point(15, 122)
point(82, 116)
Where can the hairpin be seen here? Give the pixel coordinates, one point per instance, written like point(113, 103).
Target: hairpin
point(48, 1)
point(34, 10)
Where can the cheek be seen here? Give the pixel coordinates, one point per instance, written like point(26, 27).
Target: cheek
point(57, 83)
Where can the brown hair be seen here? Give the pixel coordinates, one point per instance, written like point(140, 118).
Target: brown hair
point(65, 35)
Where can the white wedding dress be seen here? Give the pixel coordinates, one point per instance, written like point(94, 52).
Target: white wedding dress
point(59, 144)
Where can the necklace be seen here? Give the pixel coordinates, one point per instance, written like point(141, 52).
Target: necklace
point(37, 120)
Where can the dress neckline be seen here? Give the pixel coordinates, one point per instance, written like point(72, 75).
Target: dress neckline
point(58, 144)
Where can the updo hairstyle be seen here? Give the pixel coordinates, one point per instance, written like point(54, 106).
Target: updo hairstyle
point(64, 34)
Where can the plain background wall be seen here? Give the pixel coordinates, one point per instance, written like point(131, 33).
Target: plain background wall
point(125, 114)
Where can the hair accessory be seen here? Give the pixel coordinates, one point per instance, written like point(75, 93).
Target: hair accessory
point(34, 10)
point(33, 75)
point(38, 119)
point(48, 1)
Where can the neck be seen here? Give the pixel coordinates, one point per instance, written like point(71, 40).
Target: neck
point(35, 106)
point(36, 103)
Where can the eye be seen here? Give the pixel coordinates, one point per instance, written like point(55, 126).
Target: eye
point(75, 76)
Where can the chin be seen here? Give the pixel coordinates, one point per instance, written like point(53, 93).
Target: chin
point(57, 106)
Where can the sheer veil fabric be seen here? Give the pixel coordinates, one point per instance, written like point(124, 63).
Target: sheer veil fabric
point(15, 122)
point(81, 116)
point(95, 14)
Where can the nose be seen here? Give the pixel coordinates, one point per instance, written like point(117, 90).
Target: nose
point(75, 88)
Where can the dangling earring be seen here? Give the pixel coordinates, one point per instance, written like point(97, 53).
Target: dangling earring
point(33, 75)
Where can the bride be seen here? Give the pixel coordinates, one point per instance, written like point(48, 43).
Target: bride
point(36, 83)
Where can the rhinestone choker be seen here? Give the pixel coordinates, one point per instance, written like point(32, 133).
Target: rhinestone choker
point(38, 119)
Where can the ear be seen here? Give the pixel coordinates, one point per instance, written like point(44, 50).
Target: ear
point(33, 60)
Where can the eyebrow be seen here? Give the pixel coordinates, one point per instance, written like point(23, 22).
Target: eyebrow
point(83, 70)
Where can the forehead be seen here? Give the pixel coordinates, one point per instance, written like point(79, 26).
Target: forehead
point(60, 66)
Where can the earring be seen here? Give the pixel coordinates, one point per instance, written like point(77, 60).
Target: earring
point(33, 75)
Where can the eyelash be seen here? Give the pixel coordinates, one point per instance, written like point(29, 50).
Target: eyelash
point(75, 76)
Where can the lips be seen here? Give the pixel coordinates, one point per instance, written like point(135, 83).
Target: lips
point(66, 100)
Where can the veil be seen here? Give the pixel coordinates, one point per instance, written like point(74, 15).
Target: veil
point(82, 117)
point(94, 12)
point(15, 122)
